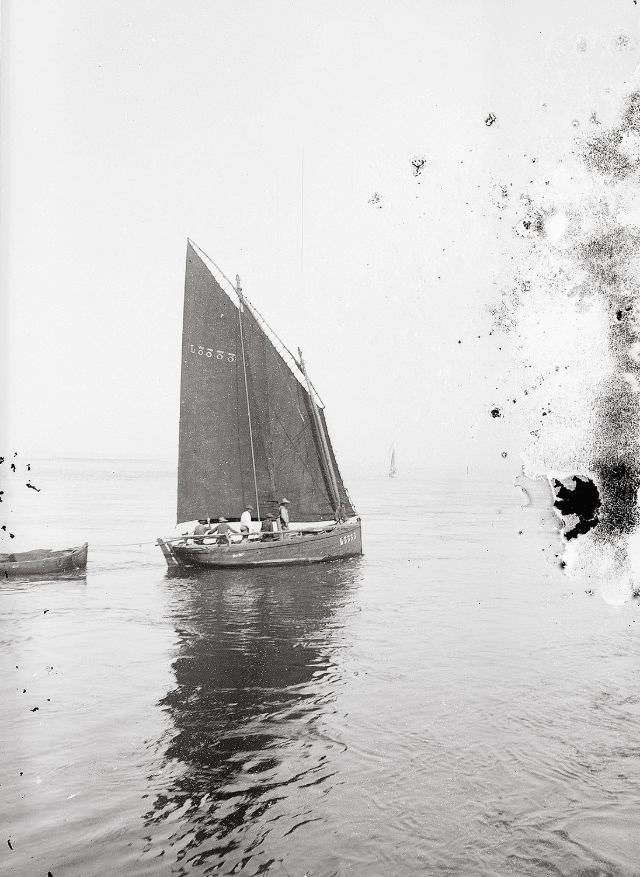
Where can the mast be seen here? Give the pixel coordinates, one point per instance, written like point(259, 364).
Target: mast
point(246, 390)
point(335, 495)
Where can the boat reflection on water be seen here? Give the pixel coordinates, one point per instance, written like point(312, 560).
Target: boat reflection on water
point(256, 676)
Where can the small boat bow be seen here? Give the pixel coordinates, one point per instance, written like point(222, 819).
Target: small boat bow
point(43, 561)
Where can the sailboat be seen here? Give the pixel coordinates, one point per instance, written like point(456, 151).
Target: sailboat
point(252, 434)
point(392, 466)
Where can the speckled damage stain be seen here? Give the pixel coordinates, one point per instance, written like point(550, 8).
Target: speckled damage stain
point(572, 312)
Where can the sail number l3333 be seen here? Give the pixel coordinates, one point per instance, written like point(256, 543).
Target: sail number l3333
point(212, 353)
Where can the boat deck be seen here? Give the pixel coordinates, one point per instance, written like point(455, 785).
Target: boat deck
point(293, 547)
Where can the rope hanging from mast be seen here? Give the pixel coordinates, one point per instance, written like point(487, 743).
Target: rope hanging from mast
point(238, 289)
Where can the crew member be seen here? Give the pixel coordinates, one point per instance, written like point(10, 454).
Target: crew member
point(267, 530)
point(222, 532)
point(283, 514)
point(200, 529)
point(245, 521)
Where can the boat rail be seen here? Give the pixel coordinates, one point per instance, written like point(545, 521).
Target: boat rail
point(275, 536)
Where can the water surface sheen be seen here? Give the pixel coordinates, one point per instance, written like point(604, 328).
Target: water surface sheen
point(447, 704)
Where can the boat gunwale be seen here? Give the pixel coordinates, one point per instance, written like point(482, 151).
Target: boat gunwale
point(234, 556)
point(258, 544)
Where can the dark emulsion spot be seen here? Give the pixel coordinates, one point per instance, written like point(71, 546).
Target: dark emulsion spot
point(619, 484)
point(579, 498)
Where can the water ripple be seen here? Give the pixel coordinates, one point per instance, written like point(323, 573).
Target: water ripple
point(445, 705)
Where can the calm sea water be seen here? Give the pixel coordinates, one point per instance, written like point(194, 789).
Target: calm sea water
point(449, 704)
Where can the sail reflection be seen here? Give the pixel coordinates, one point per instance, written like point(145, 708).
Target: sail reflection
point(255, 676)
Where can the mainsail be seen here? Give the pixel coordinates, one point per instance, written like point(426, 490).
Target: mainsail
point(247, 430)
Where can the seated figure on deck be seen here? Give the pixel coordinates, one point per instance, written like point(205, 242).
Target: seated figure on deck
point(200, 529)
point(222, 532)
point(245, 522)
point(268, 530)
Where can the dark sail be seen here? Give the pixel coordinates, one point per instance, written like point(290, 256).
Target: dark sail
point(292, 446)
point(215, 472)
point(216, 464)
point(342, 490)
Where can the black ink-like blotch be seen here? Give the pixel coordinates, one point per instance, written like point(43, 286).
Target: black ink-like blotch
point(582, 500)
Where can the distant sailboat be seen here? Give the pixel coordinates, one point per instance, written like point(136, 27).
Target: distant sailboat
point(392, 466)
point(252, 430)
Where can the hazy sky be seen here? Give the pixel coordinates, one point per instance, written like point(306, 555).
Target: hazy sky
point(280, 137)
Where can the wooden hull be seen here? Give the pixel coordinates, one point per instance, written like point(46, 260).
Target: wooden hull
point(43, 562)
point(343, 540)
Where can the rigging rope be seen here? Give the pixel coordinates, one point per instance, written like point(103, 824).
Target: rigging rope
point(246, 390)
point(124, 544)
point(217, 267)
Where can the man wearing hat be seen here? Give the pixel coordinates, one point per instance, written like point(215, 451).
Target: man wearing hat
point(284, 514)
point(245, 521)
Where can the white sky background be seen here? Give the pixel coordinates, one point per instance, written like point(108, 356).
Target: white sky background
point(261, 130)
